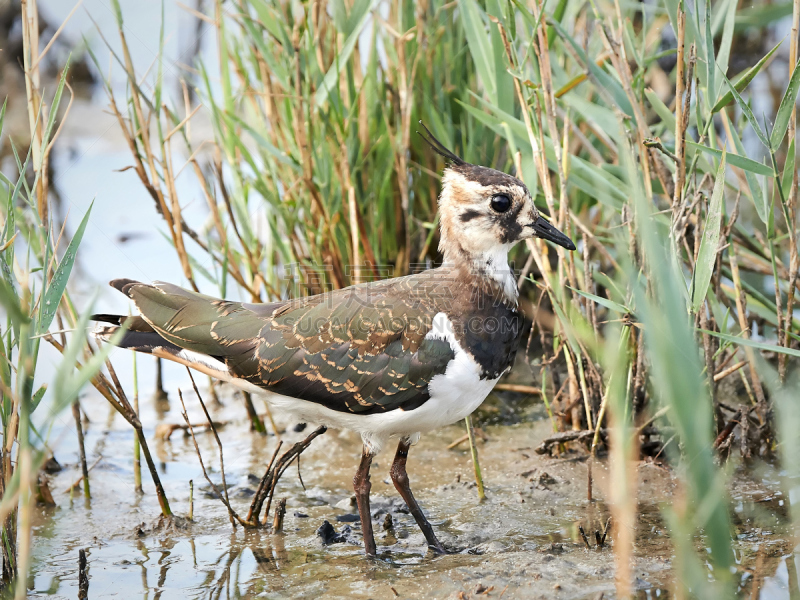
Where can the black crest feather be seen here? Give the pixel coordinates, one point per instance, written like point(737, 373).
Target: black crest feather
point(440, 148)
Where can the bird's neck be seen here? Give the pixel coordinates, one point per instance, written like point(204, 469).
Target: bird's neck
point(489, 267)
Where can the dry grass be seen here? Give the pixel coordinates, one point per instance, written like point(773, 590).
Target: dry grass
point(630, 140)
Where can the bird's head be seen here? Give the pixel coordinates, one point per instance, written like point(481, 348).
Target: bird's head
point(484, 212)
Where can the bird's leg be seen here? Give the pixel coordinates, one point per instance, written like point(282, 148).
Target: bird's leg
point(400, 479)
point(361, 486)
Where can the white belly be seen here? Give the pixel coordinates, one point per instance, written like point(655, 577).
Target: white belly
point(450, 401)
point(454, 395)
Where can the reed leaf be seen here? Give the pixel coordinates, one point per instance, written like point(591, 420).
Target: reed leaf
point(56, 286)
point(742, 81)
point(707, 255)
point(785, 109)
point(748, 113)
point(736, 160)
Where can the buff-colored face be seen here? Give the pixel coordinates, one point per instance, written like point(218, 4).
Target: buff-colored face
point(484, 211)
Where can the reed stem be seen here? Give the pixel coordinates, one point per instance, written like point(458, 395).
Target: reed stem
point(137, 461)
point(475, 462)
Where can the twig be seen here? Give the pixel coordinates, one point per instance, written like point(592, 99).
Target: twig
point(725, 372)
point(77, 482)
point(76, 413)
point(121, 404)
point(213, 430)
point(656, 143)
point(742, 318)
point(728, 429)
point(116, 397)
point(83, 576)
point(275, 429)
point(605, 533)
point(283, 463)
point(55, 37)
point(231, 513)
point(567, 436)
point(458, 441)
point(258, 498)
point(137, 452)
point(256, 424)
point(478, 431)
point(182, 123)
point(583, 535)
point(599, 540)
point(680, 131)
point(164, 431)
point(280, 511)
point(299, 475)
point(514, 387)
point(160, 393)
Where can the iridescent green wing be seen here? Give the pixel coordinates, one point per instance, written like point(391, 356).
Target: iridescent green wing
point(362, 349)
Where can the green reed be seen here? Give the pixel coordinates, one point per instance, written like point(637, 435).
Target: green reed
point(634, 147)
point(36, 263)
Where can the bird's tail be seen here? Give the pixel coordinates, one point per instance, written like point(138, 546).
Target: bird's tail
point(141, 337)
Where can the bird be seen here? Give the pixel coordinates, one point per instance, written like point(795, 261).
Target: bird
point(390, 359)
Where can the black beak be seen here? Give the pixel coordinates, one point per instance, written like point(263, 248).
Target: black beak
point(546, 231)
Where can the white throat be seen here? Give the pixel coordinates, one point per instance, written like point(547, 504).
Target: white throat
point(494, 265)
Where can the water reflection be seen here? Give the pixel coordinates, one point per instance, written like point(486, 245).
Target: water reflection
point(526, 536)
point(785, 583)
point(509, 535)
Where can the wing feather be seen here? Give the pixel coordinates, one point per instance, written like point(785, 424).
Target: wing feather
point(360, 350)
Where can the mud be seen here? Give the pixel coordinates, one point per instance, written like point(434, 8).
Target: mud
point(523, 541)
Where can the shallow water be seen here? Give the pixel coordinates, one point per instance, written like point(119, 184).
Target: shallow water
point(522, 542)
point(523, 539)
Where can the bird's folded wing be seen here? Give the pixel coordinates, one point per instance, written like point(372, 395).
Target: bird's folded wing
point(361, 349)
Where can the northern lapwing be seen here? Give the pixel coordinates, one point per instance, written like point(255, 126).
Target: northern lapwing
point(388, 359)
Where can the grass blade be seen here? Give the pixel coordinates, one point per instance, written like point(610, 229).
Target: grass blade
point(10, 301)
point(479, 45)
point(54, 291)
point(67, 383)
point(736, 160)
point(748, 113)
point(752, 343)
point(329, 82)
point(672, 349)
point(723, 56)
point(610, 304)
point(710, 59)
point(605, 81)
point(785, 109)
point(743, 80)
point(707, 255)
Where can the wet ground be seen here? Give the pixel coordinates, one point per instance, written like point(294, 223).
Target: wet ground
point(522, 542)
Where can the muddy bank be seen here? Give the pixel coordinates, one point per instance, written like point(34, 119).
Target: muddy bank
point(523, 541)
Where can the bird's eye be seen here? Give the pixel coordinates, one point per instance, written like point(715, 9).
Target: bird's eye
point(500, 203)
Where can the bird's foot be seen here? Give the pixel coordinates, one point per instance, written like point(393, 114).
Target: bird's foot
point(439, 548)
point(448, 548)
